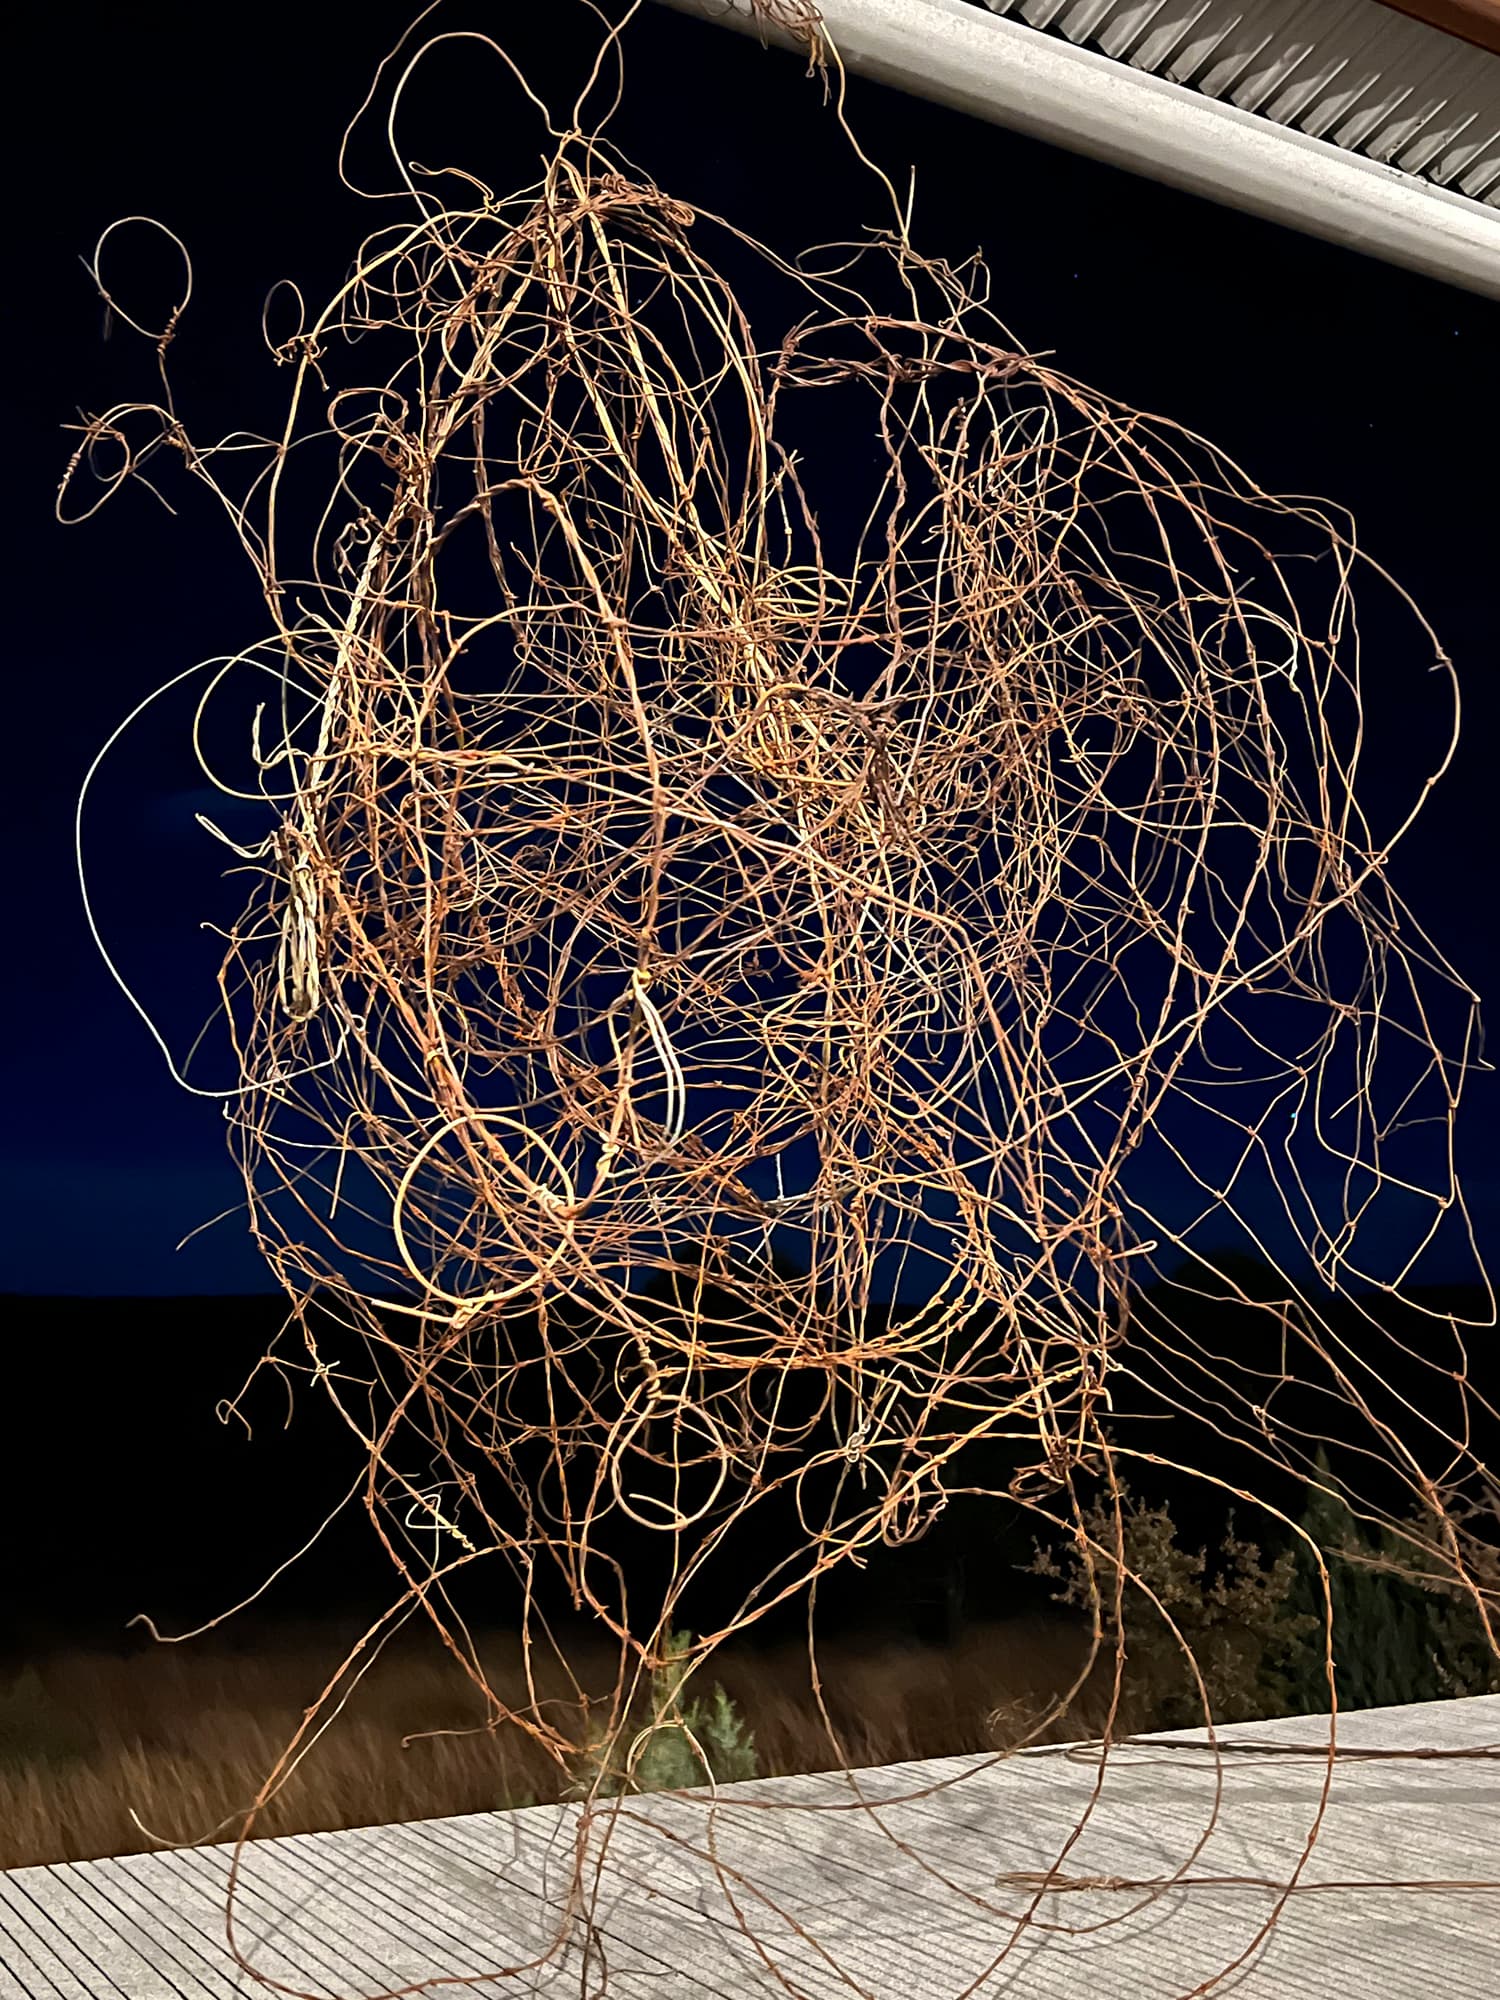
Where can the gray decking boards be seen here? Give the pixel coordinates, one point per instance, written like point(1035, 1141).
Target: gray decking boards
point(812, 1886)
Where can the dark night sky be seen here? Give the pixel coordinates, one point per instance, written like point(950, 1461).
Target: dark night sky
point(1320, 371)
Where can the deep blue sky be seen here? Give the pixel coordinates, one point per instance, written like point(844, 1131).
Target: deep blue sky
point(1321, 371)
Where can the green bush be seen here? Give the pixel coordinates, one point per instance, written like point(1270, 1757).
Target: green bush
point(681, 1745)
point(1399, 1636)
point(1256, 1624)
point(1236, 1617)
point(36, 1729)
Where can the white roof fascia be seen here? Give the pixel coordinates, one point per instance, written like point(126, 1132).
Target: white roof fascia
point(1018, 76)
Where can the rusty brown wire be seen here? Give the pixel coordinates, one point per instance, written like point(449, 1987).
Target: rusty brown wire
point(650, 830)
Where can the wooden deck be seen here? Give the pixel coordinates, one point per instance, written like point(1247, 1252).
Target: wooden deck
point(913, 1882)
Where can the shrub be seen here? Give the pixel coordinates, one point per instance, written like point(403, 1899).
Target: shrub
point(1400, 1634)
point(1236, 1615)
point(704, 1741)
point(35, 1728)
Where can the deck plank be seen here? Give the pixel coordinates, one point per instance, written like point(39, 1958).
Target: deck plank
point(896, 1884)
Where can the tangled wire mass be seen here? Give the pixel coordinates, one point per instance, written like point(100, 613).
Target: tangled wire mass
point(793, 827)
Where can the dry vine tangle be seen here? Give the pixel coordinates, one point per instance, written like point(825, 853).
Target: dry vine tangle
point(790, 823)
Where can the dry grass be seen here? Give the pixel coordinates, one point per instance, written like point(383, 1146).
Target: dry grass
point(185, 1735)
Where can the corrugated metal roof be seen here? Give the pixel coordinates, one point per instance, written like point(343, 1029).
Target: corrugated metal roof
point(1351, 72)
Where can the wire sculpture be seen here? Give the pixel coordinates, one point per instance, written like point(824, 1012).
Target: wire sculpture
point(775, 834)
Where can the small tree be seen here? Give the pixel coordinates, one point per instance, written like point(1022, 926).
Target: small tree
point(704, 1741)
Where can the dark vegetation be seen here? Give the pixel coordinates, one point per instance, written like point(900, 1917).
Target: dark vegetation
point(145, 1481)
point(138, 1487)
point(133, 1486)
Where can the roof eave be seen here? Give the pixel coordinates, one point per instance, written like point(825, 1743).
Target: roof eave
point(993, 68)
